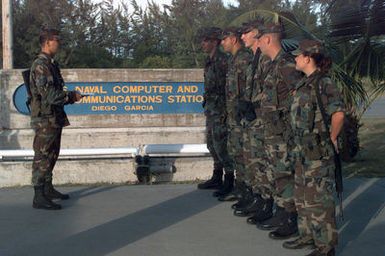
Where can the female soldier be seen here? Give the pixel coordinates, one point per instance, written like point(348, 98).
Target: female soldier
point(314, 139)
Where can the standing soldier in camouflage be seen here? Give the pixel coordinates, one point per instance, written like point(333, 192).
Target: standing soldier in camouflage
point(278, 79)
point(261, 205)
point(235, 91)
point(214, 106)
point(316, 98)
point(47, 118)
point(248, 117)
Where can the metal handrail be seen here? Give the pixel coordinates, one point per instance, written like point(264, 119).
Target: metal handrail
point(149, 149)
point(80, 152)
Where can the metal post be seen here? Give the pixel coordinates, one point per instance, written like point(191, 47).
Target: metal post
point(7, 34)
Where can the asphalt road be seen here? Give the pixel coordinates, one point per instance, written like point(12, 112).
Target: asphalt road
point(169, 220)
point(377, 109)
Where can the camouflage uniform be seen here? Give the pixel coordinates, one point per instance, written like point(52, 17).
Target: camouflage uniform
point(248, 133)
point(313, 154)
point(235, 91)
point(47, 115)
point(278, 78)
point(258, 162)
point(215, 110)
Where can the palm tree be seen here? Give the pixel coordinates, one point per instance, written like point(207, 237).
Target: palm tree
point(360, 31)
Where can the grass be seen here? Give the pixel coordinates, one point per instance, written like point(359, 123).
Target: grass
point(370, 161)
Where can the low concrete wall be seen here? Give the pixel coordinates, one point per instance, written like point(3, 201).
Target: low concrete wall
point(105, 171)
point(95, 131)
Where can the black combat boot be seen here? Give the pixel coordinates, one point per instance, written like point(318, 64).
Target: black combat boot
point(228, 185)
point(288, 229)
point(239, 189)
point(323, 252)
point(265, 212)
point(236, 194)
point(51, 193)
point(230, 197)
point(300, 243)
point(246, 199)
point(215, 182)
point(279, 218)
point(41, 202)
point(251, 208)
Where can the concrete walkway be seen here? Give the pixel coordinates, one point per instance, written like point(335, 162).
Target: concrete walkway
point(169, 220)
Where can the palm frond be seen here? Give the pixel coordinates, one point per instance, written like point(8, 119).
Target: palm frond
point(289, 44)
point(366, 60)
point(353, 91)
point(293, 29)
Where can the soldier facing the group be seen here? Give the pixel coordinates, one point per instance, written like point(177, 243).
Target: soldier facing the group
point(47, 118)
point(283, 118)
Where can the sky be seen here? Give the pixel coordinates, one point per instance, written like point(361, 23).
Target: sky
point(143, 3)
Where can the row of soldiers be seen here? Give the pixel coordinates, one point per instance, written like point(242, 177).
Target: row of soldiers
point(272, 118)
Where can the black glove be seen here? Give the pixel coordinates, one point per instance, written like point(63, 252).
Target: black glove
point(246, 110)
point(250, 115)
point(71, 97)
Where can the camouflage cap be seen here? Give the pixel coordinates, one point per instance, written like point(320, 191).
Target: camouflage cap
point(231, 31)
point(269, 28)
point(309, 46)
point(210, 33)
point(253, 24)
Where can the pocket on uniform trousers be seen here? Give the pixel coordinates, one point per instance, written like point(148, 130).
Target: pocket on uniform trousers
point(319, 169)
point(324, 192)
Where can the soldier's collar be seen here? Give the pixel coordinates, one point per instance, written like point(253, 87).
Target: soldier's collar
point(279, 55)
point(301, 83)
point(308, 80)
point(47, 57)
point(242, 49)
point(314, 74)
point(217, 51)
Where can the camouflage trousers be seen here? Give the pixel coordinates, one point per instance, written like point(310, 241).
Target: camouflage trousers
point(314, 181)
point(236, 150)
point(247, 155)
point(46, 146)
point(256, 161)
point(216, 139)
point(280, 170)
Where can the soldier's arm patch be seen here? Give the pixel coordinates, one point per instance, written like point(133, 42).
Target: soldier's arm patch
point(41, 73)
